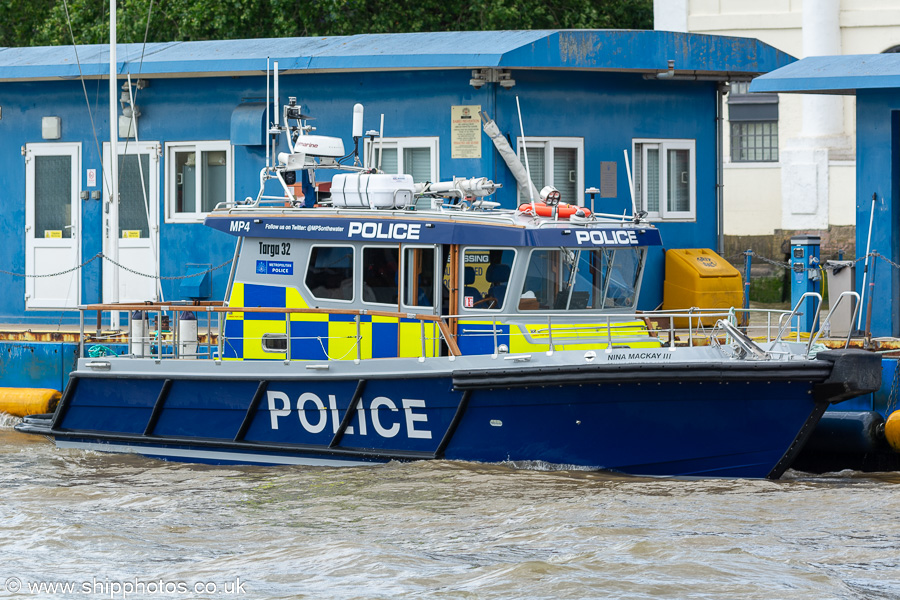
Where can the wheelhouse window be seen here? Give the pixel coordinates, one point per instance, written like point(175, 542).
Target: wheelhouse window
point(418, 277)
point(558, 162)
point(486, 274)
point(198, 176)
point(564, 279)
point(416, 156)
point(664, 178)
point(329, 273)
point(380, 266)
point(754, 124)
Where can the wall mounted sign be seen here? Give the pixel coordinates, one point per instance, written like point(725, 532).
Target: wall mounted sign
point(465, 131)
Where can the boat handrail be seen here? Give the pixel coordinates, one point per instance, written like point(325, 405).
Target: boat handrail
point(613, 328)
point(219, 308)
point(552, 330)
point(787, 322)
point(826, 322)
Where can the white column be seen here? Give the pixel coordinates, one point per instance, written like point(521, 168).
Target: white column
point(805, 159)
point(823, 114)
point(670, 15)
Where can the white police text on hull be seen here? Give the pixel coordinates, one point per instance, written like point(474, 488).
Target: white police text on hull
point(314, 416)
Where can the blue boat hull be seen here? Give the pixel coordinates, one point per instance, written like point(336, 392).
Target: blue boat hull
point(744, 420)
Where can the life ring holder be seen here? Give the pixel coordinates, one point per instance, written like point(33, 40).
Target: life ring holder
point(563, 211)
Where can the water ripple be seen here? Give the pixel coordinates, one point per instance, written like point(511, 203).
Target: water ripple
point(443, 529)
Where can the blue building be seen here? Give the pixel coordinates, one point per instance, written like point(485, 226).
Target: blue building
point(875, 80)
point(587, 98)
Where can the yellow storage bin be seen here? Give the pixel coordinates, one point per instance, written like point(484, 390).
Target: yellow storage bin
point(698, 277)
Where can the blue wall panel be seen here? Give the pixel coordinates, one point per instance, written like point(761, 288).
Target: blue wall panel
point(878, 172)
point(36, 364)
point(607, 109)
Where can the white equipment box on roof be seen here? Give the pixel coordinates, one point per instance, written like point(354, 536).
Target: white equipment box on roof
point(362, 190)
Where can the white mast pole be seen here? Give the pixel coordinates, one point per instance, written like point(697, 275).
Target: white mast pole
point(630, 184)
point(276, 107)
point(527, 168)
point(381, 142)
point(862, 297)
point(113, 159)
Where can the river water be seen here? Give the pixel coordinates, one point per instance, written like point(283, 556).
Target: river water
point(116, 526)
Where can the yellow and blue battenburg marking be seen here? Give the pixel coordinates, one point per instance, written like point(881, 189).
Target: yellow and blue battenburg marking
point(318, 336)
point(477, 337)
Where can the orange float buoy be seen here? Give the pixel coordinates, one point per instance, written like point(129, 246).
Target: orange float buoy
point(892, 430)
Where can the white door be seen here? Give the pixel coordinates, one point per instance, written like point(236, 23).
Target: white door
point(131, 225)
point(52, 225)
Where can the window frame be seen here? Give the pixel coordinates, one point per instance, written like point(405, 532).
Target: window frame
point(403, 143)
point(438, 276)
point(272, 336)
point(360, 293)
point(462, 275)
point(738, 145)
point(353, 264)
point(198, 147)
point(745, 109)
point(552, 143)
point(664, 144)
point(606, 280)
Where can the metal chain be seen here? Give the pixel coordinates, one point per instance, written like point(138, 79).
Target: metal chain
point(776, 263)
point(75, 268)
point(170, 278)
point(108, 259)
point(895, 388)
point(787, 265)
point(886, 259)
point(783, 265)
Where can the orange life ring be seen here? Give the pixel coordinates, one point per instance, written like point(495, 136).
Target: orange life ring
point(564, 211)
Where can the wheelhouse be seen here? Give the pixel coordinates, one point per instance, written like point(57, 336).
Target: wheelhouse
point(497, 277)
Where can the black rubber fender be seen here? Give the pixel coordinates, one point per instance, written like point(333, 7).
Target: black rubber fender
point(853, 373)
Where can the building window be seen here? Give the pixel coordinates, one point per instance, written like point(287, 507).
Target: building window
point(198, 176)
point(754, 124)
point(664, 178)
point(416, 156)
point(558, 162)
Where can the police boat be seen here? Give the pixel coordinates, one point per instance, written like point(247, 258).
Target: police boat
point(405, 322)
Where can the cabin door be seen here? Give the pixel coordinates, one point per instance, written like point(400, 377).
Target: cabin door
point(52, 225)
point(131, 225)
